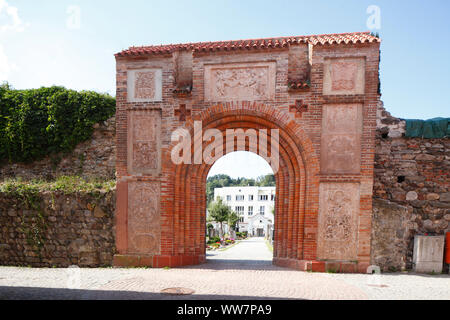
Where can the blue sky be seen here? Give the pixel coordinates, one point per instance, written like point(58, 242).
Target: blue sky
point(42, 43)
point(241, 164)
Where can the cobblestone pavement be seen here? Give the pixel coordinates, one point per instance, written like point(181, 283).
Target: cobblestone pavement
point(243, 271)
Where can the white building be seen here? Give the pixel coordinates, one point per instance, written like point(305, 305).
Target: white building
point(254, 206)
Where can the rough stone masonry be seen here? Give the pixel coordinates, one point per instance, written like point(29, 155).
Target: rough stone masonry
point(60, 230)
point(411, 191)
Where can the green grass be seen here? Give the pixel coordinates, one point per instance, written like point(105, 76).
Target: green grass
point(229, 246)
point(331, 271)
point(65, 184)
point(269, 245)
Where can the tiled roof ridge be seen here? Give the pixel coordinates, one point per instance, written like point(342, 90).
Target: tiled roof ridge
point(272, 42)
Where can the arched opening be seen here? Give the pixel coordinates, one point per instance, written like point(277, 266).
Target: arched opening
point(241, 196)
point(184, 208)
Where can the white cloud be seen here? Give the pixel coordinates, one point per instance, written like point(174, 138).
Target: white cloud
point(9, 18)
point(6, 67)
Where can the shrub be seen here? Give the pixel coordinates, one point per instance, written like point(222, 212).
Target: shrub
point(35, 123)
point(242, 235)
point(215, 245)
point(214, 240)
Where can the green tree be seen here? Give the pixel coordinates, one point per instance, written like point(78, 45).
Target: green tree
point(233, 219)
point(219, 212)
point(223, 180)
point(266, 181)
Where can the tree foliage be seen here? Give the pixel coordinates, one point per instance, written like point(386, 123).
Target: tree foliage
point(233, 219)
point(35, 123)
point(223, 180)
point(218, 211)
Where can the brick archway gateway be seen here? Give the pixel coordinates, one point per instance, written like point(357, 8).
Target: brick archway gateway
point(319, 92)
point(296, 180)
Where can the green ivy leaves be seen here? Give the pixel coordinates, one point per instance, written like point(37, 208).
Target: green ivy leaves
point(35, 123)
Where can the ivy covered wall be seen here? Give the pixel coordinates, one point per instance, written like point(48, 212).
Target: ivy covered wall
point(35, 123)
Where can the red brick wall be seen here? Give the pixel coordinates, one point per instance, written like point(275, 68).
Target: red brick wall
point(183, 198)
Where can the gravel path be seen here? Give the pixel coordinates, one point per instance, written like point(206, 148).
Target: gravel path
point(243, 271)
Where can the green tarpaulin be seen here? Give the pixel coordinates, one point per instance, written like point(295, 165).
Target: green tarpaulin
point(432, 128)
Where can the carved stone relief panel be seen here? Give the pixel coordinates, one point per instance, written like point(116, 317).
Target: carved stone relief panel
point(338, 221)
point(145, 85)
point(144, 231)
point(144, 142)
point(344, 76)
point(241, 81)
point(341, 139)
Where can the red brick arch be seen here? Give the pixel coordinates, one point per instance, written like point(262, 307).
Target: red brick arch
point(320, 92)
point(184, 206)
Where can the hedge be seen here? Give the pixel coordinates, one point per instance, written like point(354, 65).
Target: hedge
point(35, 123)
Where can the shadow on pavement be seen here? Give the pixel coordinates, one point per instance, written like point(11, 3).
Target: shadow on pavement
point(232, 264)
point(36, 293)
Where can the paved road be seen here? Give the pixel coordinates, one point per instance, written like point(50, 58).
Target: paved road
point(241, 272)
point(253, 251)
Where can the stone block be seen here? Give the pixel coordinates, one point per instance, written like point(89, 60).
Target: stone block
point(373, 269)
point(338, 221)
point(411, 196)
point(341, 138)
point(445, 197)
point(425, 157)
point(145, 85)
point(241, 81)
point(12, 213)
point(318, 266)
point(98, 212)
point(432, 196)
point(344, 76)
point(144, 142)
point(428, 254)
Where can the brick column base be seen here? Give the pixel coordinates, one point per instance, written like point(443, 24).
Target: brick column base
point(129, 260)
point(322, 266)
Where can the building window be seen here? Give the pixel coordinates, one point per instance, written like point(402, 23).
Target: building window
point(240, 197)
point(228, 197)
point(239, 210)
point(263, 197)
point(241, 219)
point(261, 210)
point(250, 197)
point(272, 197)
point(250, 210)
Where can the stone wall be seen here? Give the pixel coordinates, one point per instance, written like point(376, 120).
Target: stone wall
point(411, 191)
point(57, 229)
point(92, 158)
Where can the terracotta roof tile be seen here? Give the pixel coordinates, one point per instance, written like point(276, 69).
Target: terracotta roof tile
point(281, 42)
